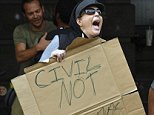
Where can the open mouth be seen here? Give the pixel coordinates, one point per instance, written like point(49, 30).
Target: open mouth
point(96, 24)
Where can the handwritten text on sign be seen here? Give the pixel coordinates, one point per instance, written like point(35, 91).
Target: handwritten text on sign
point(77, 78)
point(114, 108)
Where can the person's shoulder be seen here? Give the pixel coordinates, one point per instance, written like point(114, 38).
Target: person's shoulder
point(58, 31)
point(22, 26)
point(50, 23)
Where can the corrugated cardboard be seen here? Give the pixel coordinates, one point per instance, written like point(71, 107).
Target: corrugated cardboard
point(94, 79)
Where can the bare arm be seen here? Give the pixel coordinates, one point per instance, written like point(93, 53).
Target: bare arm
point(23, 54)
point(151, 102)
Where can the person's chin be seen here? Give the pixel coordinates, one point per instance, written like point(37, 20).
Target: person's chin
point(96, 29)
point(96, 33)
point(37, 23)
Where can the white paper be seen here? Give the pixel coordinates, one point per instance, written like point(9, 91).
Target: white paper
point(54, 44)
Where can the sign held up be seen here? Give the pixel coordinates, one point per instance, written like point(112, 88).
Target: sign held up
point(94, 79)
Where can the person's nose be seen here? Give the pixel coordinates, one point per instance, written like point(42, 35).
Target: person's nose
point(35, 15)
point(96, 13)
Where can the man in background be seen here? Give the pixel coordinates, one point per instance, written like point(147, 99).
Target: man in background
point(29, 39)
point(151, 100)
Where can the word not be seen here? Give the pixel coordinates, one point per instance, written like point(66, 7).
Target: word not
point(74, 76)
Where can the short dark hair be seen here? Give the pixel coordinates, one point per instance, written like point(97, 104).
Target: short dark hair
point(28, 1)
point(64, 9)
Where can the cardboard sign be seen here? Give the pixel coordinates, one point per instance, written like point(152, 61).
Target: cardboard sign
point(94, 79)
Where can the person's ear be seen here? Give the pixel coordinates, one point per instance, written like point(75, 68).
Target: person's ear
point(43, 9)
point(24, 15)
point(79, 22)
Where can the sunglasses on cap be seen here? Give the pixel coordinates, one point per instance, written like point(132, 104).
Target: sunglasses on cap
point(91, 11)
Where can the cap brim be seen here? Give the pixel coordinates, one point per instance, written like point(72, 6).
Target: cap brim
point(100, 6)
